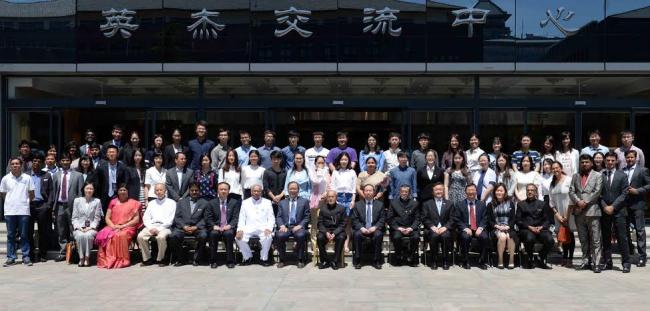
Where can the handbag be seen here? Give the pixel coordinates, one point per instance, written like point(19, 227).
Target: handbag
point(564, 236)
point(69, 251)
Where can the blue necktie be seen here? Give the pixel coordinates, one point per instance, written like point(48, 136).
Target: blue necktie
point(368, 215)
point(292, 212)
point(480, 184)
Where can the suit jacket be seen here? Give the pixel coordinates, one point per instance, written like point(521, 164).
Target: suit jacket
point(302, 213)
point(331, 219)
point(461, 215)
point(213, 213)
point(184, 216)
point(616, 193)
point(359, 215)
point(110, 142)
point(534, 213)
point(492, 216)
point(47, 187)
point(404, 214)
point(169, 155)
point(590, 193)
point(75, 184)
point(431, 217)
point(425, 184)
point(123, 176)
point(641, 182)
point(178, 190)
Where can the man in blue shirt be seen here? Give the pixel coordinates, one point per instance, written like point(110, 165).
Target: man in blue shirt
point(525, 150)
point(292, 149)
point(200, 145)
point(245, 148)
point(594, 145)
point(266, 149)
point(402, 175)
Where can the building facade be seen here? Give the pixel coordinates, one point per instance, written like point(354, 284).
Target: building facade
point(495, 67)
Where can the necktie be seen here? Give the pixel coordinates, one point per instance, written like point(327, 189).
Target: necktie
point(64, 187)
point(292, 212)
point(472, 217)
point(368, 215)
point(192, 206)
point(584, 180)
point(223, 213)
point(480, 185)
point(609, 178)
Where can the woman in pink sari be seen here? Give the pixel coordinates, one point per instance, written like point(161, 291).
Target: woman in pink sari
point(122, 221)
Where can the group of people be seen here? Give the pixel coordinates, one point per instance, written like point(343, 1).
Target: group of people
point(115, 194)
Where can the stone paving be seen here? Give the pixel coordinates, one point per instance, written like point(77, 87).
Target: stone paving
point(58, 286)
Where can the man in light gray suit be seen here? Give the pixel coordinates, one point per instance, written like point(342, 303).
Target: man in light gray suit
point(585, 194)
point(639, 180)
point(67, 186)
point(178, 178)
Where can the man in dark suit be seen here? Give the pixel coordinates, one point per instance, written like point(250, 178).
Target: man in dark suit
point(331, 227)
point(67, 185)
point(292, 219)
point(116, 133)
point(368, 222)
point(533, 219)
point(404, 221)
point(111, 173)
point(438, 223)
point(189, 221)
point(470, 219)
point(221, 218)
point(428, 175)
point(638, 178)
point(41, 209)
point(612, 200)
point(178, 178)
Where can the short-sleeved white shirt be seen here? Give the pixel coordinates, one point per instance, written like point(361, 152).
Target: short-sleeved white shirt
point(17, 193)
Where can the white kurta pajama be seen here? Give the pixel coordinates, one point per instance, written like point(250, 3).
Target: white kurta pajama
point(255, 216)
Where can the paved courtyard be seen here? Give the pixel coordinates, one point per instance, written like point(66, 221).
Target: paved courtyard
point(57, 286)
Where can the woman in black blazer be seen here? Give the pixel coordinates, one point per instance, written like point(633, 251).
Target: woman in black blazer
point(169, 154)
point(87, 170)
point(425, 181)
point(501, 219)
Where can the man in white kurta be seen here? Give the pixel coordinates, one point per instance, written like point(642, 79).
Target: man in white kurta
point(255, 220)
point(157, 219)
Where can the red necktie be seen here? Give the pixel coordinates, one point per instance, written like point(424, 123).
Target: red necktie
point(472, 217)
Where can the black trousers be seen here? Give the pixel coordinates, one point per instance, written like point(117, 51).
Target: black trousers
point(619, 223)
point(398, 241)
point(63, 212)
point(339, 239)
point(42, 215)
point(529, 239)
point(228, 238)
point(301, 237)
point(466, 241)
point(176, 244)
point(435, 240)
point(637, 217)
point(376, 239)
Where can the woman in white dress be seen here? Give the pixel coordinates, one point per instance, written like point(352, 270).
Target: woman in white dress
point(344, 181)
point(505, 173)
point(252, 173)
point(154, 175)
point(560, 202)
point(527, 175)
point(567, 155)
point(231, 174)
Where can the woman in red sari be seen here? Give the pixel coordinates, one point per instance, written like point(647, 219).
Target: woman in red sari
point(122, 221)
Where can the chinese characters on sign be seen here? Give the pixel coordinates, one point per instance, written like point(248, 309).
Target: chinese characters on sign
point(469, 16)
point(118, 21)
point(204, 27)
point(384, 21)
point(555, 20)
point(292, 17)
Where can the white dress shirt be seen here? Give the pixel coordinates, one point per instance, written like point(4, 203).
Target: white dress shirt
point(344, 181)
point(159, 214)
point(256, 215)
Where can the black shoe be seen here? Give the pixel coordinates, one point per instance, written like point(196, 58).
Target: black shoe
point(60, 258)
point(301, 265)
point(323, 265)
point(230, 265)
point(466, 266)
point(377, 265)
point(597, 269)
point(413, 263)
point(334, 265)
point(27, 262)
point(162, 264)
point(280, 265)
point(42, 259)
point(445, 266)
point(195, 263)
point(213, 265)
point(265, 263)
point(626, 268)
point(641, 263)
point(9, 262)
point(584, 266)
point(482, 266)
point(179, 264)
point(357, 266)
point(433, 265)
point(146, 263)
point(544, 266)
point(247, 262)
point(608, 266)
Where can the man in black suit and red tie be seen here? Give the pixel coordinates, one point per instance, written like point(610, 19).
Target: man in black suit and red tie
point(471, 221)
point(438, 224)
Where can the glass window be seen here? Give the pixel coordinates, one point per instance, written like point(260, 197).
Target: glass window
point(543, 123)
point(610, 124)
point(627, 28)
point(253, 122)
point(440, 125)
point(508, 125)
point(641, 138)
point(167, 121)
point(101, 120)
point(33, 126)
